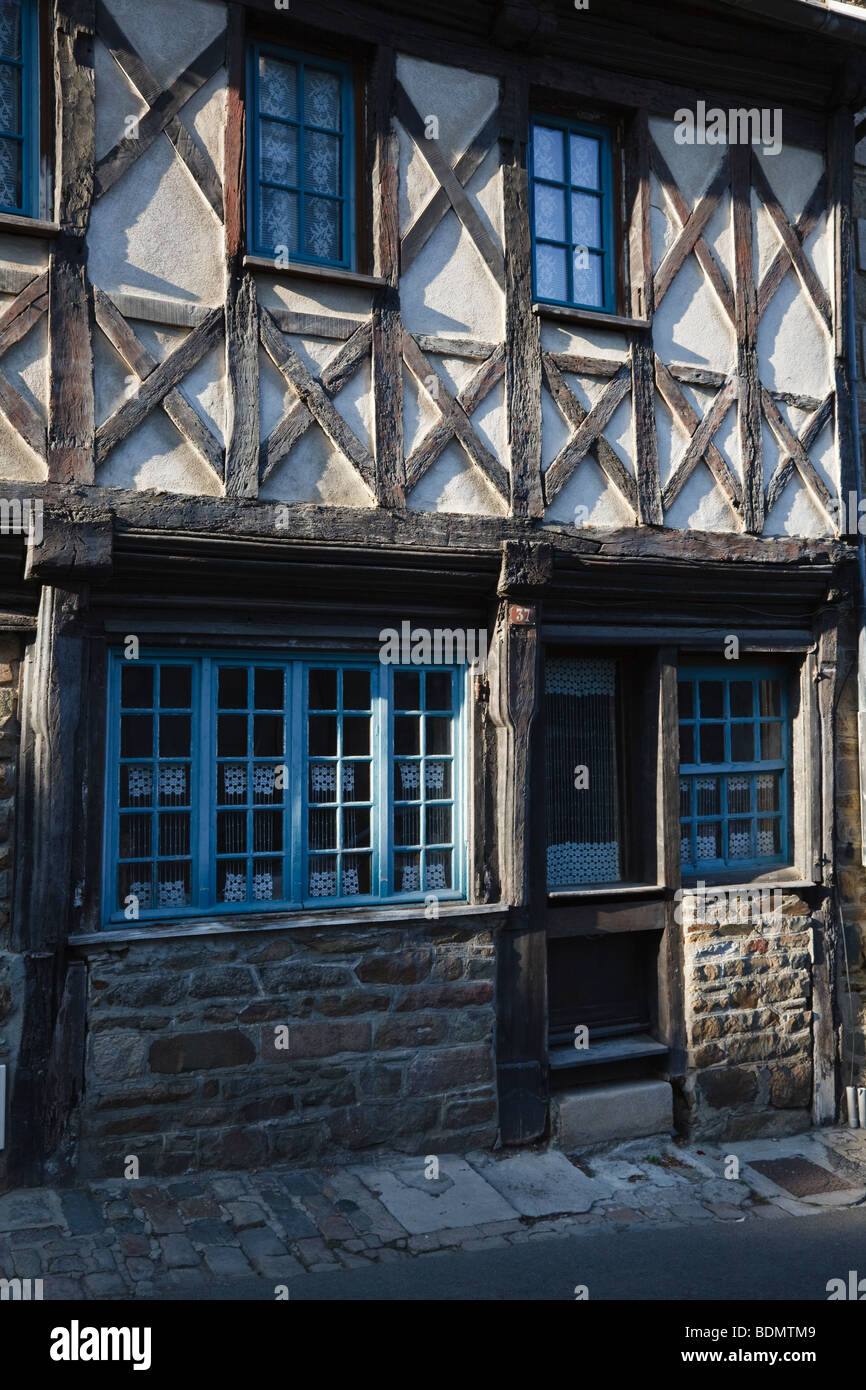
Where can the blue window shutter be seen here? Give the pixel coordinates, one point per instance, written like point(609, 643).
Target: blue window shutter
point(300, 175)
point(572, 213)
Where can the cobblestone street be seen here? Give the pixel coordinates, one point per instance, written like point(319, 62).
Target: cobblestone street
point(183, 1237)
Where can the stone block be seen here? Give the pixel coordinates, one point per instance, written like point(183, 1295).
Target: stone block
point(408, 968)
point(598, 1114)
point(728, 1086)
point(201, 1051)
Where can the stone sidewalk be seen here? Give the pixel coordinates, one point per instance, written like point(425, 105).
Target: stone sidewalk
point(119, 1240)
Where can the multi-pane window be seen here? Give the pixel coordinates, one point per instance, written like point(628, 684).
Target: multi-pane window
point(19, 122)
point(571, 171)
point(734, 768)
point(300, 176)
point(584, 833)
point(236, 785)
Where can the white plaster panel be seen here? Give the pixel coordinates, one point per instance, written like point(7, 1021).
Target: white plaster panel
point(449, 289)
point(204, 116)
point(793, 347)
point(583, 342)
point(460, 100)
point(701, 506)
point(18, 462)
point(276, 396)
point(314, 471)
point(555, 431)
point(419, 413)
point(26, 366)
point(156, 456)
point(719, 234)
point(690, 326)
point(484, 190)
point(113, 382)
point(313, 297)
point(168, 35)
point(692, 166)
point(153, 232)
point(795, 514)
point(491, 425)
point(417, 183)
point(453, 484)
point(588, 499)
point(793, 174)
point(23, 253)
point(663, 232)
point(115, 100)
point(205, 389)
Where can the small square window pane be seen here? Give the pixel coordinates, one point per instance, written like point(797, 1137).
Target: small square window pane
point(438, 735)
point(278, 148)
point(769, 791)
point(356, 876)
point(10, 99)
point(323, 782)
point(742, 699)
point(550, 212)
point(437, 779)
point(437, 820)
point(770, 838)
point(322, 828)
point(10, 28)
point(438, 690)
point(588, 277)
point(267, 688)
point(742, 743)
point(584, 161)
point(323, 736)
point(175, 687)
point(739, 795)
point(322, 232)
point(173, 784)
point(10, 174)
point(279, 219)
point(172, 886)
point(707, 793)
point(356, 781)
point(135, 881)
point(740, 840)
point(547, 153)
point(771, 741)
point(232, 687)
point(278, 87)
point(356, 690)
point(267, 832)
point(407, 734)
point(135, 837)
point(438, 870)
point(136, 686)
point(356, 735)
point(550, 272)
point(231, 877)
point(769, 698)
point(322, 98)
point(231, 832)
point(709, 841)
point(322, 687)
point(407, 873)
point(686, 699)
point(232, 736)
point(322, 169)
point(687, 743)
point(407, 825)
point(269, 782)
point(136, 785)
point(711, 695)
point(136, 736)
point(407, 781)
point(323, 876)
point(268, 880)
point(712, 743)
point(356, 827)
point(232, 785)
point(407, 690)
point(173, 833)
point(585, 219)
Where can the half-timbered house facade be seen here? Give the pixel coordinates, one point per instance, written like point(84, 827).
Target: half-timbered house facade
point(430, 576)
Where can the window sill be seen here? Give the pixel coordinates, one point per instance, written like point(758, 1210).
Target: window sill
point(562, 314)
point(281, 921)
point(777, 880)
point(602, 890)
point(28, 226)
point(315, 272)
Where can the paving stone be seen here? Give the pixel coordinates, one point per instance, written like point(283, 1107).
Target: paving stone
point(260, 1243)
point(427, 1242)
point(296, 1224)
point(211, 1233)
point(725, 1212)
point(196, 1208)
point(313, 1252)
point(456, 1236)
point(351, 1261)
point(187, 1188)
point(485, 1243)
point(278, 1267)
point(118, 1211)
point(499, 1228)
point(458, 1197)
point(164, 1218)
point(103, 1285)
point(767, 1211)
point(354, 1246)
point(28, 1210)
point(228, 1188)
point(81, 1212)
point(336, 1228)
point(301, 1184)
point(689, 1211)
point(100, 1260)
point(228, 1260)
point(244, 1215)
point(134, 1245)
point(622, 1214)
point(538, 1184)
point(178, 1252)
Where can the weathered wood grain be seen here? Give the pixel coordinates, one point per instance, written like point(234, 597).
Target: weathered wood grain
point(791, 241)
point(682, 409)
point(746, 324)
point(419, 232)
point(522, 327)
point(588, 434)
point(469, 397)
point(387, 334)
point(242, 381)
point(704, 254)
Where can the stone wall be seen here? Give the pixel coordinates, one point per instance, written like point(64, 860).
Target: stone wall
point(252, 1047)
point(749, 1022)
point(11, 966)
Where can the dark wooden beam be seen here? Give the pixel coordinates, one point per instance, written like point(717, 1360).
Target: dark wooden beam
point(746, 316)
point(840, 162)
point(387, 341)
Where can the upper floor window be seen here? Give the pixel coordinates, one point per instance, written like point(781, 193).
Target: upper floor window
point(301, 159)
point(734, 768)
point(237, 784)
point(571, 174)
point(19, 107)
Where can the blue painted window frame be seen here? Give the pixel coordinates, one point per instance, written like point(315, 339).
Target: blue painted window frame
point(27, 138)
point(346, 135)
point(604, 135)
point(295, 851)
point(691, 771)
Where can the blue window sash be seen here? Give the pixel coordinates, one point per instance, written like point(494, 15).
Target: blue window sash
point(605, 138)
point(254, 179)
point(28, 137)
point(296, 858)
point(754, 768)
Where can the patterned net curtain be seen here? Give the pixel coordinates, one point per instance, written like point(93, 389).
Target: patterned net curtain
point(583, 824)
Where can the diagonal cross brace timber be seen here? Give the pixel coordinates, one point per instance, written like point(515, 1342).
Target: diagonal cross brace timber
point(588, 432)
point(469, 397)
point(792, 243)
point(428, 219)
point(704, 254)
point(794, 452)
